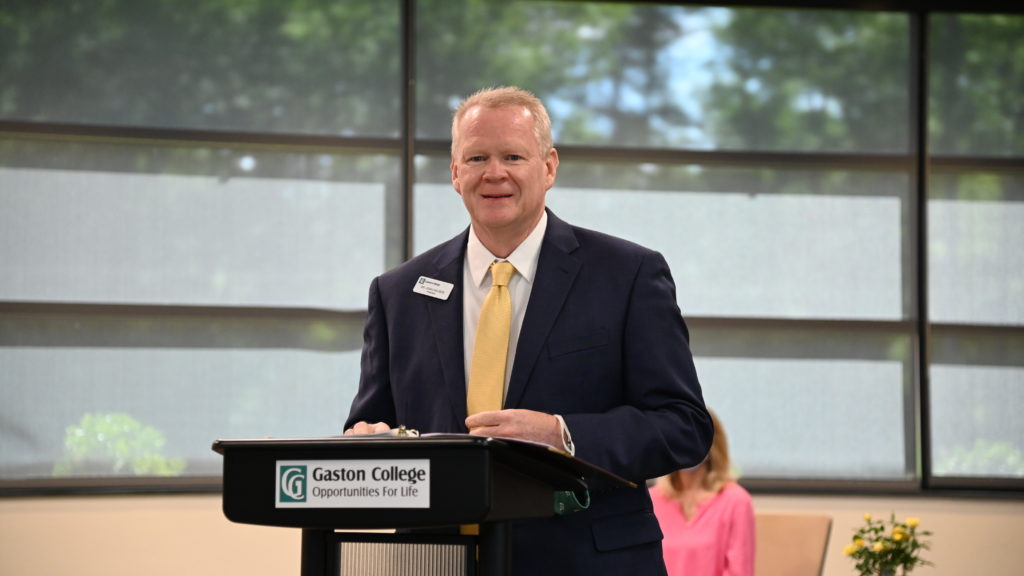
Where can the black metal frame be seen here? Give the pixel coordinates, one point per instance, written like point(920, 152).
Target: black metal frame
point(918, 162)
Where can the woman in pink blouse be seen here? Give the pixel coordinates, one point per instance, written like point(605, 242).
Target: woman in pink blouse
point(707, 518)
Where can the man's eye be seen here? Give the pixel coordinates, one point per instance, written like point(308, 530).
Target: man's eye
point(476, 159)
point(515, 157)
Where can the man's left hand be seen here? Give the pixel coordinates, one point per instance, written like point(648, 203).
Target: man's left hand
point(517, 424)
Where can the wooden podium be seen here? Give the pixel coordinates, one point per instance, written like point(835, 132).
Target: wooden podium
point(371, 482)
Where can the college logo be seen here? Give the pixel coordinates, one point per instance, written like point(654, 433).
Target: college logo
point(292, 484)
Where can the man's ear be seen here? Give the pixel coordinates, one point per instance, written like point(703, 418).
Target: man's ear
point(455, 176)
point(551, 162)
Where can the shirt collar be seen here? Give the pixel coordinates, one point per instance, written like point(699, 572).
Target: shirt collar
point(524, 257)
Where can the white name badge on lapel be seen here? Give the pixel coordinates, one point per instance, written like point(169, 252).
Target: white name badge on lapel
point(433, 288)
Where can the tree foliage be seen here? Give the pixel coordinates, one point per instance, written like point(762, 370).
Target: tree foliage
point(777, 79)
point(115, 443)
point(311, 66)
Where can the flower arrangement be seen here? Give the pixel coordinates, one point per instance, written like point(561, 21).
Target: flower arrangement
point(882, 548)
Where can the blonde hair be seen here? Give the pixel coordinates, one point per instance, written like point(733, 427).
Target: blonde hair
point(502, 97)
point(719, 467)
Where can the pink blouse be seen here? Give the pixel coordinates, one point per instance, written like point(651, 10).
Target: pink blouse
point(717, 541)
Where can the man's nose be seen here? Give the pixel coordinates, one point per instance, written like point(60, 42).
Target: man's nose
point(494, 169)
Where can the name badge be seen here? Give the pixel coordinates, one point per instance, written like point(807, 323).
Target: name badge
point(433, 288)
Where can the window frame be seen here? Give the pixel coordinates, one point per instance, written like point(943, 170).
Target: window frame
point(917, 162)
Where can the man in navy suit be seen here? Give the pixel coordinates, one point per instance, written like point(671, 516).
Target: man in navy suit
point(599, 358)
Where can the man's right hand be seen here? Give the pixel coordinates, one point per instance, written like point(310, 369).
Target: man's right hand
point(367, 428)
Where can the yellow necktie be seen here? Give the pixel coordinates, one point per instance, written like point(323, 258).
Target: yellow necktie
point(490, 352)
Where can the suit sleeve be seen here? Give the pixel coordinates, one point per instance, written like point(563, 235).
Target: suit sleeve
point(662, 425)
point(374, 401)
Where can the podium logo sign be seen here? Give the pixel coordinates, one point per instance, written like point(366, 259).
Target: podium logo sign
point(353, 483)
point(292, 483)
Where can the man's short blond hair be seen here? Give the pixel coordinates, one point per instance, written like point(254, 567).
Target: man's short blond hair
point(508, 96)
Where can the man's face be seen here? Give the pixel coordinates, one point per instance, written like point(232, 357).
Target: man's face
point(498, 170)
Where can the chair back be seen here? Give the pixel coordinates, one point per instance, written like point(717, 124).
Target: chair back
point(790, 544)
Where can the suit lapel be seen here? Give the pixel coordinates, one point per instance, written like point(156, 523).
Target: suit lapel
point(446, 323)
point(556, 271)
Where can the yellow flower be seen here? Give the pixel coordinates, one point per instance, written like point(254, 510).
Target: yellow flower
point(881, 545)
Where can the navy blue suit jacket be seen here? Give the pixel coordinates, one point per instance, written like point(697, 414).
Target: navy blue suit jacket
point(603, 343)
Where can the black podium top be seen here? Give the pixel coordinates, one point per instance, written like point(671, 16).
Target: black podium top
point(367, 482)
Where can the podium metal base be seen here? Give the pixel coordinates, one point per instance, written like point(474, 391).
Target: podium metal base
point(330, 553)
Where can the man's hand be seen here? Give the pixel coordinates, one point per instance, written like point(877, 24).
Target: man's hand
point(367, 428)
point(518, 424)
